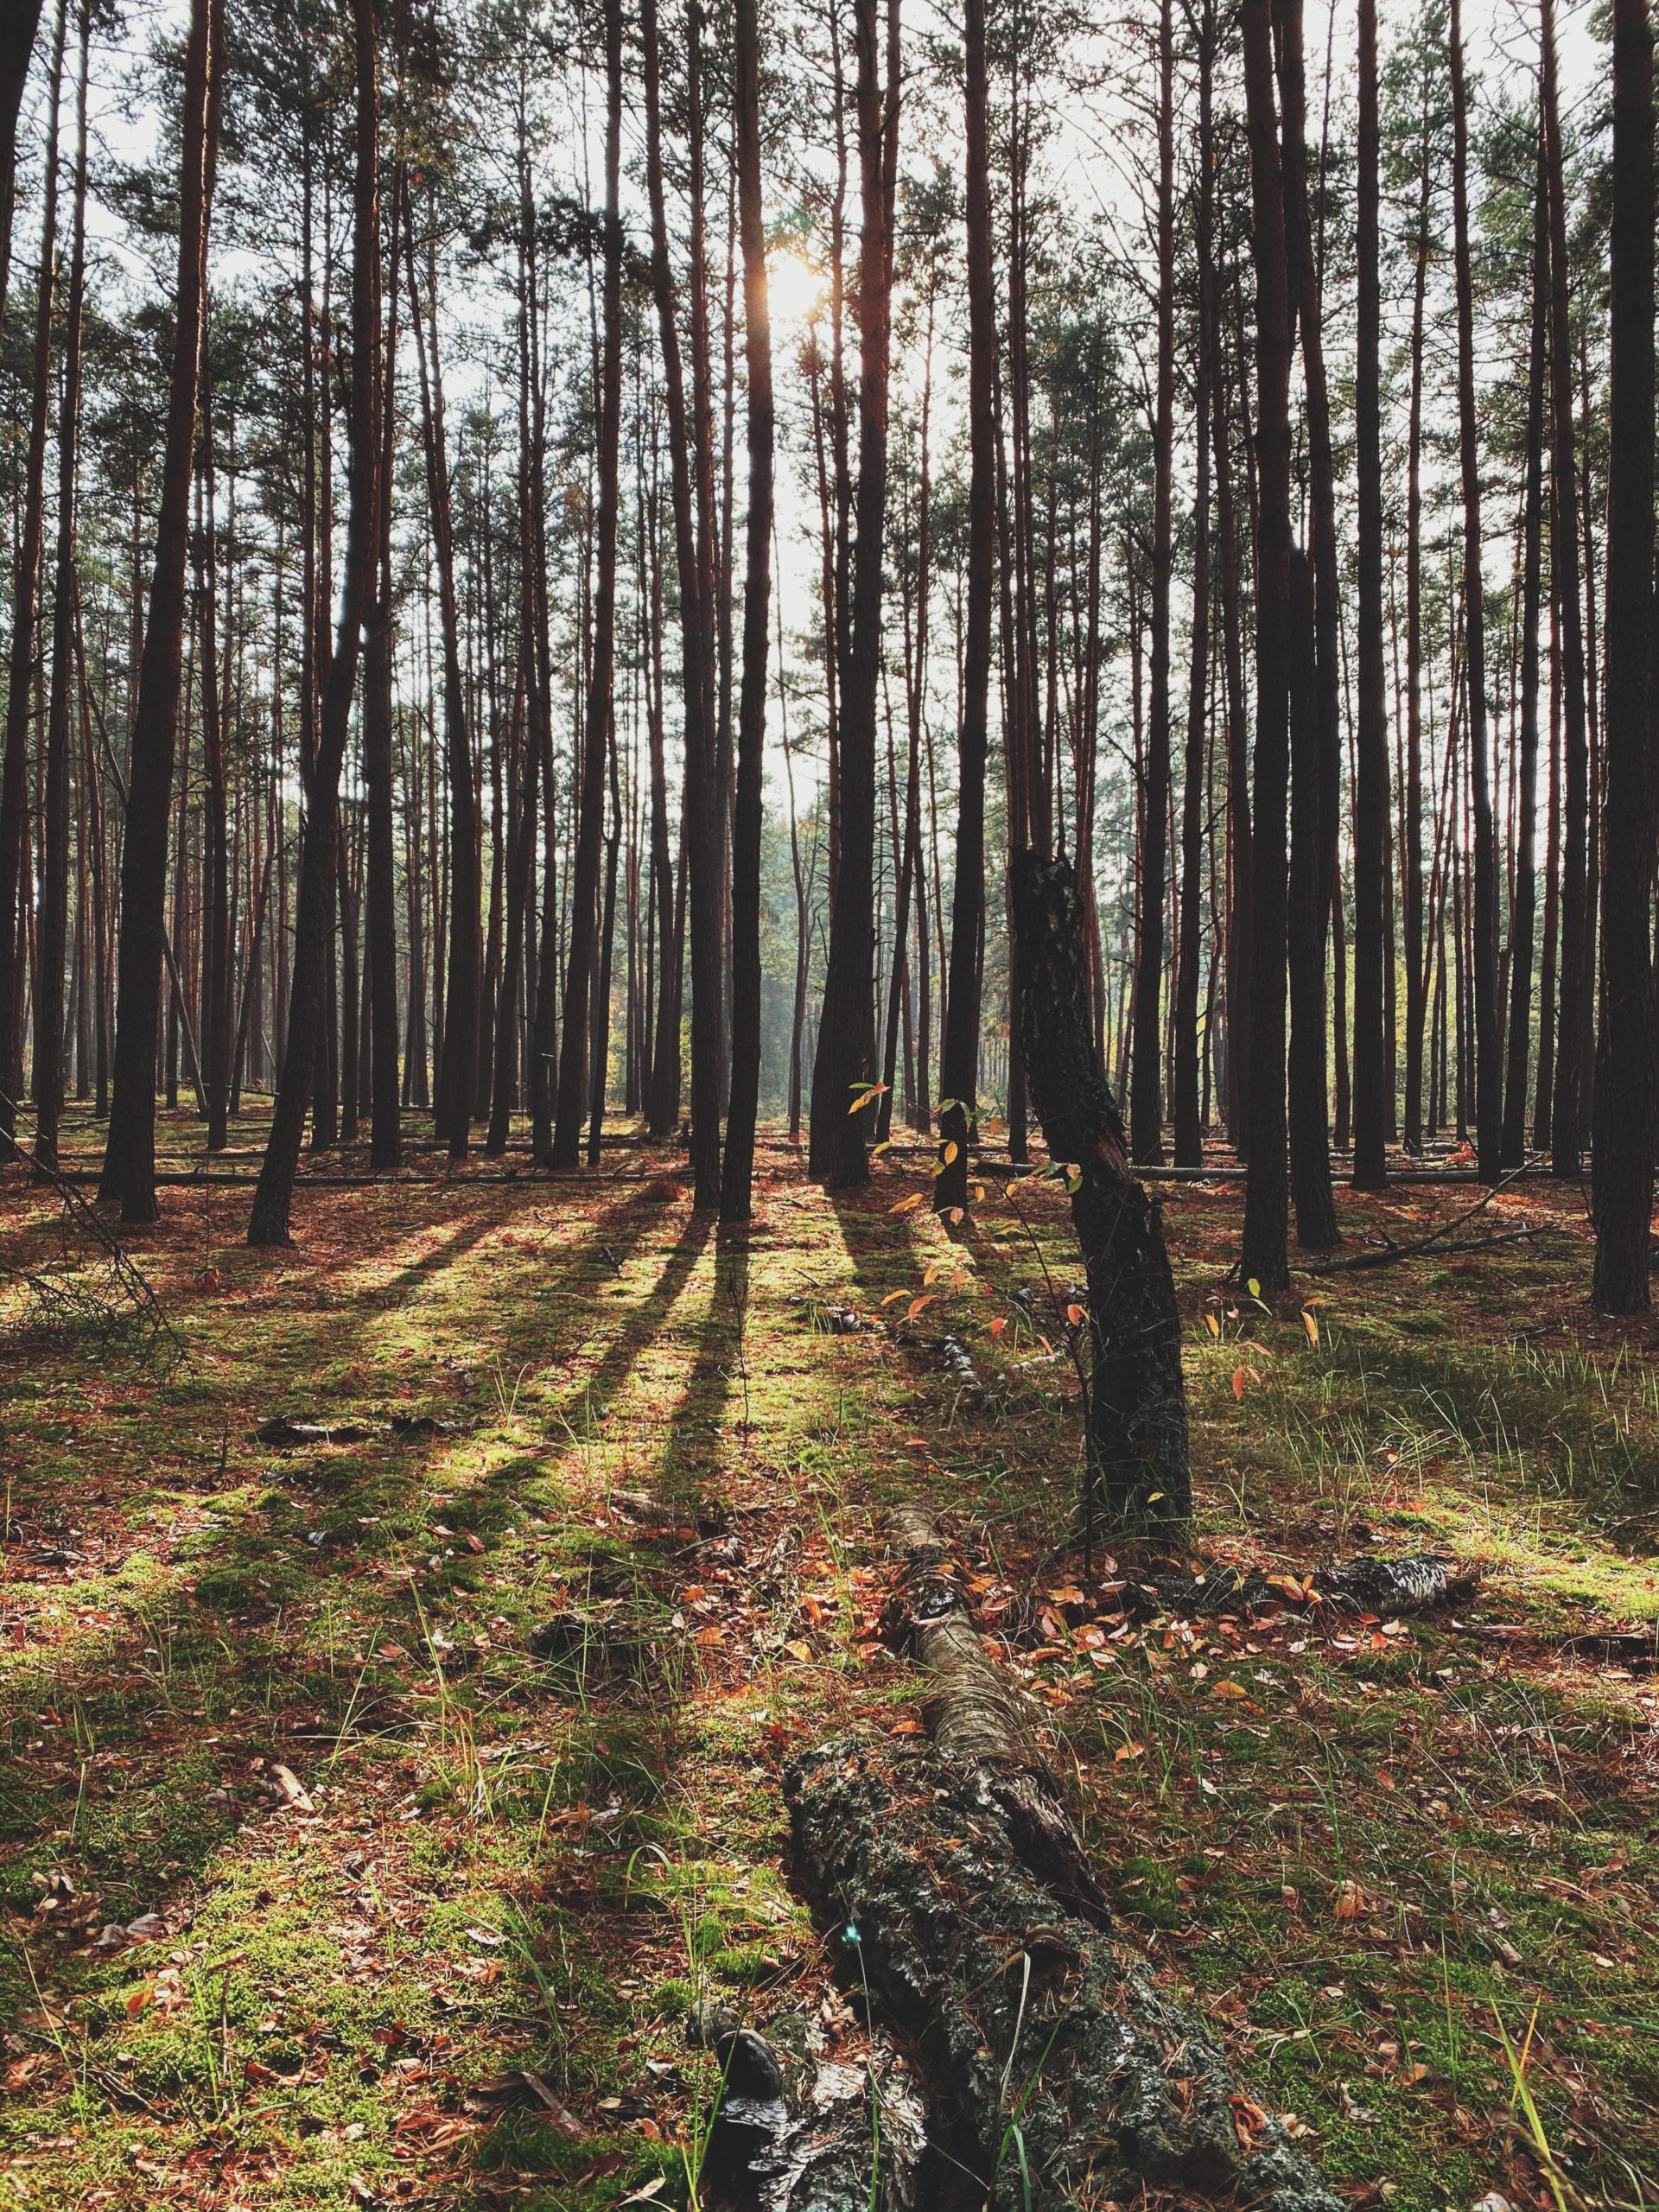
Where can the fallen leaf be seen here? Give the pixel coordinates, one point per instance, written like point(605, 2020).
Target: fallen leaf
point(295, 1793)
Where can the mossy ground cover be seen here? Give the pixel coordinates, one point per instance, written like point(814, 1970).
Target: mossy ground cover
point(447, 1955)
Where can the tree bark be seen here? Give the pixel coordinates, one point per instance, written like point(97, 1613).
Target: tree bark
point(1373, 1091)
point(1264, 1257)
point(1138, 1471)
point(53, 922)
point(1146, 1090)
point(737, 1169)
point(846, 1028)
point(1623, 1102)
point(958, 1060)
point(1523, 906)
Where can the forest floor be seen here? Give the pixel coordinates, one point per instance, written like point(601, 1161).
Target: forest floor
point(320, 1889)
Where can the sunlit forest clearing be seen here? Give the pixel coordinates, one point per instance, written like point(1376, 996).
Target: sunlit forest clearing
point(530, 1684)
point(828, 1037)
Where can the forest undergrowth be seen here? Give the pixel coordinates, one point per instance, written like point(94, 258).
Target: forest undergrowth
point(375, 1814)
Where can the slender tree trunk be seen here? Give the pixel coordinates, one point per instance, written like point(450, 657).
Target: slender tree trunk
point(1567, 1124)
point(738, 1166)
point(1314, 883)
point(1522, 907)
point(1146, 1091)
point(1416, 964)
point(846, 1038)
point(1189, 1126)
point(54, 920)
point(1264, 1257)
point(269, 1221)
point(1373, 1090)
point(385, 1127)
point(700, 864)
point(590, 824)
point(129, 1153)
point(1624, 1069)
point(1487, 1040)
point(959, 1057)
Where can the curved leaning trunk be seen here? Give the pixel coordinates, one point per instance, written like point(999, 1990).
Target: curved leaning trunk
point(1139, 1472)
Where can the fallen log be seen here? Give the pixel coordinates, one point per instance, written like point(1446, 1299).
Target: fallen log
point(286, 1435)
point(1388, 1587)
point(816, 2135)
point(1056, 2069)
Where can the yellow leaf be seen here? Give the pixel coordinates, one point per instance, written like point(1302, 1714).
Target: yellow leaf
point(916, 1305)
point(1311, 1324)
point(798, 1650)
point(956, 1215)
point(894, 1296)
point(1130, 1751)
point(1213, 1326)
point(932, 1274)
point(908, 1206)
point(1230, 1689)
point(1254, 1286)
point(710, 1634)
point(950, 1151)
point(1350, 1902)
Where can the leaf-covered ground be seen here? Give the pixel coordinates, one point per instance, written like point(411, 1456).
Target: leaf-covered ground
point(328, 1879)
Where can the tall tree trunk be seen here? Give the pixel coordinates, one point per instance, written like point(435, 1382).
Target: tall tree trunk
point(1522, 907)
point(1189, 1127)
point(700, 864)
point(590, 818)
point(1487, 1040)
point(269, 1220)
point(1315, 885)
point(959, 1057)
point(846, 1039)
point(1146, 1091)
point(1568, 1128)
point(1308, 914)
point(1264, 1257)
point(737, 1168)
point(129, 1152)
point(1373, 1090)
point(385, 1127)
point(17, 30)
point(458, 1073)
point(54, 920)
point(1416, 963)
point(1624, 1105)
point(14, 771)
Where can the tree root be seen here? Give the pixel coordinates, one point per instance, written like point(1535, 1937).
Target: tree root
point(964, 1893)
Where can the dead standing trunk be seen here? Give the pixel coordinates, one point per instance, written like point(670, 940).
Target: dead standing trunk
point(1139, 1477)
